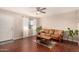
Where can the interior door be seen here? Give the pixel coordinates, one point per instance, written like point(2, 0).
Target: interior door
point(32, 26)
point(25, 27)
point(6, 23)
point(29, 27)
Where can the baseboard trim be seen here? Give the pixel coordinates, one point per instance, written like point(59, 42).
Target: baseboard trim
point(29, 36)
point(6, 42)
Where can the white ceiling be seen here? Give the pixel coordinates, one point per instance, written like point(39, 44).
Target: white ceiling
point(31, 11)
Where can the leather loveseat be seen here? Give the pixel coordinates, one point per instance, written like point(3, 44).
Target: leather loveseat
point(51, 34)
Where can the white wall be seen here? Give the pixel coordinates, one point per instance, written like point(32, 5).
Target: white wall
point(10, 26)
point(61, 21)
point(18, 27)
point(6, 23)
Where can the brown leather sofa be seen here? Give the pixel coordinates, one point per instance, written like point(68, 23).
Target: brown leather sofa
point(51, 34)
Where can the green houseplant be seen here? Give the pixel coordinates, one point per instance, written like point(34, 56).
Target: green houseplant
point(38, 28)
point(72, 33)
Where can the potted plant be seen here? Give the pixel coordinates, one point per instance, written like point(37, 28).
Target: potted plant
point(38, 29)
point(72, 33)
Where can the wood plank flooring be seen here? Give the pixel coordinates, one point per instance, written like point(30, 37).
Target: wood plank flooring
point(29, 45)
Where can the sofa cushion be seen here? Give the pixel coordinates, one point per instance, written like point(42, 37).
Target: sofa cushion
point(58, 32)
point(46, 31)
point(51, 31)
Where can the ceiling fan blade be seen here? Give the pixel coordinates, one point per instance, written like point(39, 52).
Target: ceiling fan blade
point(40, 9)
point(43, 8)
point(42, 12)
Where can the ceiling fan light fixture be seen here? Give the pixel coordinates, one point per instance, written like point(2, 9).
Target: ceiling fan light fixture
point(37, 12)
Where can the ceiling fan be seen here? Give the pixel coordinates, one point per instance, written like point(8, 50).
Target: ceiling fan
point(41, 9)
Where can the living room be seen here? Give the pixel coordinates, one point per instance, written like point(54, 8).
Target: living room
point(19, 29)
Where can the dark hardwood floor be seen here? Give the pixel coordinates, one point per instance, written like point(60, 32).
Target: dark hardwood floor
point(29, 45)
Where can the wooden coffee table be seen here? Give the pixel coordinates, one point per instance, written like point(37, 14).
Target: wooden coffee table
point(46, 41)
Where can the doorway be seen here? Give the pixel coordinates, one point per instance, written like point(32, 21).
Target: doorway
point(29, 26)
